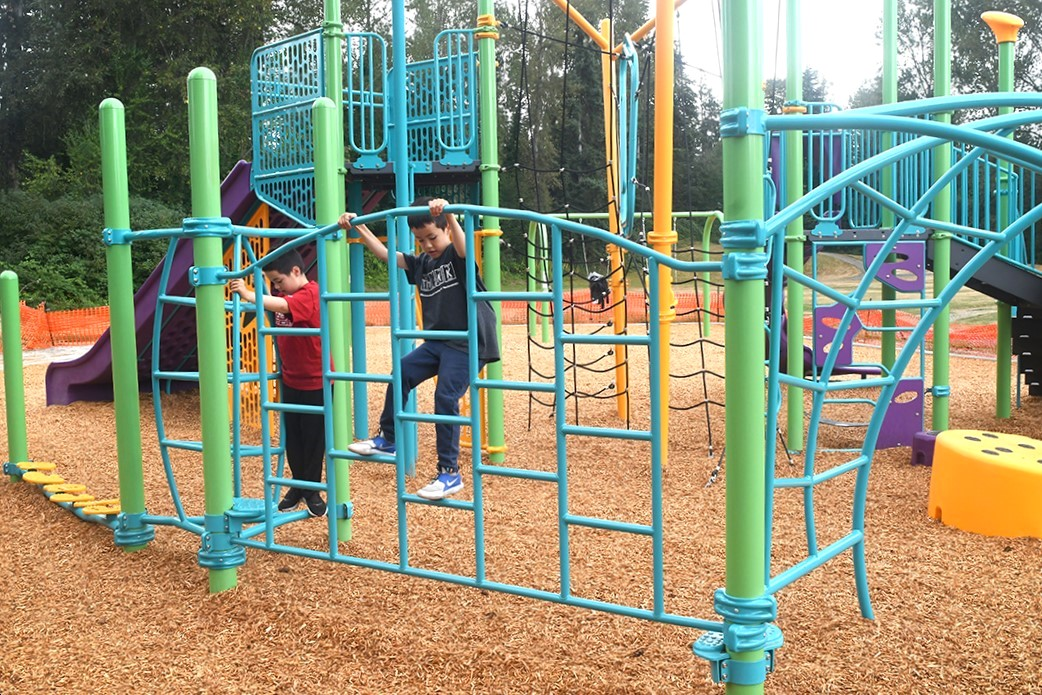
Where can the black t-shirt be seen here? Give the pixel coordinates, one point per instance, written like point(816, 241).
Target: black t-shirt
point(442, 283)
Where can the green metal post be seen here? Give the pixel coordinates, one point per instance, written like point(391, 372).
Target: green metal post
point(132, 534)
point(14, 378)
point(489, 152)
point(1005, 27)
point(942, 212)
point(888, 341)
point(794, 233)
point(743, 328)
point(328, 204)
point(217, 554)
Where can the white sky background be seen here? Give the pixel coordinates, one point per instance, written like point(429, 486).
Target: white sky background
point(839, 41)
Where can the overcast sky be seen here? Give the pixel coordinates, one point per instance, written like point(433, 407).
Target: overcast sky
point(839, 40)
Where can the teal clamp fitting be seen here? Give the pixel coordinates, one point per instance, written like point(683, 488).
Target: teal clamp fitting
point(131, 531)
point(197, 227)
point(742, 121)
point(740, 238)
point(345, 511)
point(489, 167)
point(748, 627)
point(12, 469)
point(941, 391)
point(207, 275)
point(114, 237)
point(217, 551)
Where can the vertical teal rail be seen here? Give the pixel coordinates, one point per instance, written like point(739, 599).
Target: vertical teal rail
point(14, 378)
point(356, 281)
point(132, 535)
point(557, 265)
point(217, 554)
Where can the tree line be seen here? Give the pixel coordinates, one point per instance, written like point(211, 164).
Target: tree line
point(60, 58)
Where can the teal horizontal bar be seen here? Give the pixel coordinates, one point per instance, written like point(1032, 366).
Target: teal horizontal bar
point(608, 524)
point(178, 301)
point(877, 382)
point(522, 473)
point(276, 330)
point(515, 296)
point(356, 296)
point(360, 376)
point(352, 456)
point(293, 408)
point(804, 567)
point(614, 433)
point(573, 338)
point(465, 505)
point(534, 386)
point(302, 484)
point(181, 444)
point(435, 418)
point(191, 524)
point(176, 376)
point(431, 335)
point(821, 477)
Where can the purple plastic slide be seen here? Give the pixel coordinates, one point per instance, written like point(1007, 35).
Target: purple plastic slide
point(89, 377)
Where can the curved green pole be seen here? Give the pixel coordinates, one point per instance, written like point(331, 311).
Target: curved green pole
point(14, 379)
point(795, 236)
point(743, 328)
point(942, 212)
point(1005, 27)
point(888, 340)
point(209, 316)
point(328, 206)
point(131, 534)
point(489, 153)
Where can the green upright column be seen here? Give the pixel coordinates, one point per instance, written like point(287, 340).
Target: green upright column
point(942, 212)
point(132, 534)
point(14, 377)
point(743, 331)
point(1005, 26)
point(328, 206)
point(794, 233)
point(488, 128)
point(888, 341)
point(217, 554)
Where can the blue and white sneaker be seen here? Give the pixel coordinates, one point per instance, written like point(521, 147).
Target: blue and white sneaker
point(376, 445)
point(441, 487)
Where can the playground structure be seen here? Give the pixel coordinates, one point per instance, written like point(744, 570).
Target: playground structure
point(740, 647)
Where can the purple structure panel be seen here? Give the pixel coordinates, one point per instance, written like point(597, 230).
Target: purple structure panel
point(908, 272)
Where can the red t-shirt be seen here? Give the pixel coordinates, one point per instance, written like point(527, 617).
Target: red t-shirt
point(301, 354)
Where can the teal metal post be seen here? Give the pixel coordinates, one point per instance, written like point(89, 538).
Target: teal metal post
point(14, 377)
point(888, 340)
point(356, 281)
point(1005, 27)
point(328, 204)
point(794, 233)
point(131, 534)
point(942, 212)
point(489, 151)
point(744, 274)
point(217, 554)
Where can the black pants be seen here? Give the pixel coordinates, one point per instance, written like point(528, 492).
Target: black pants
point(305, 435)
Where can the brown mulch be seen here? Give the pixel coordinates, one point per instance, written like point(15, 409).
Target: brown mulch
point(955, 612)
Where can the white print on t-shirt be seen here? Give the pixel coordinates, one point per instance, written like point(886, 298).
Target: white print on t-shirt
point(441, 278)
point(282, 320)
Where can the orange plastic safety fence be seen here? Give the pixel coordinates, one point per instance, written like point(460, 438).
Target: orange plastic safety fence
point(44, 329)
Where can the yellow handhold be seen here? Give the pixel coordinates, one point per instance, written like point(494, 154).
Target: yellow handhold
point(70, 497)
point(36, 465)
point(72, 488)
point(98, 503)
point(38, 478)
point(987, 483)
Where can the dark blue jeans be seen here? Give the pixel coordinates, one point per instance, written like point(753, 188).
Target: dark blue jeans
point(430, 359)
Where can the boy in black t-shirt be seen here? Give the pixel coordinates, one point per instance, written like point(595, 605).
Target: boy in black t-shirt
point(440, 274)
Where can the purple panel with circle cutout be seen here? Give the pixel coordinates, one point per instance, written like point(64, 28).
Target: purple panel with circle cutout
point(908, 272)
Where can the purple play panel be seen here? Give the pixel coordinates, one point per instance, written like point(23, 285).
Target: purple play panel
point(922, 447)
point(905, 274)
point(904, 418)
point(825, 320)
point(89, 378)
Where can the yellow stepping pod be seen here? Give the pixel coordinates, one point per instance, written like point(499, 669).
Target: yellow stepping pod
point(40, 478)
point(987, 483)
point(97, 508)
point(36, 465)
point(72, 488)
point(70, 497)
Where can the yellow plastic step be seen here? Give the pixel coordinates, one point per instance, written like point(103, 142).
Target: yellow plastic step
point(70, 497)
point(71, 488)
point(40, 478)
point(36, 465)
point(106, 507)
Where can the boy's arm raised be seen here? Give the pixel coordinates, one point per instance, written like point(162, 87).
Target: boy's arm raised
point(459, 239)
point(369, 239)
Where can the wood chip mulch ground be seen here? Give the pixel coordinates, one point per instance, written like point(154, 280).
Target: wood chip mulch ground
point(954, 612)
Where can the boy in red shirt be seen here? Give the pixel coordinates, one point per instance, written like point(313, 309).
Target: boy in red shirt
point(301, 357)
